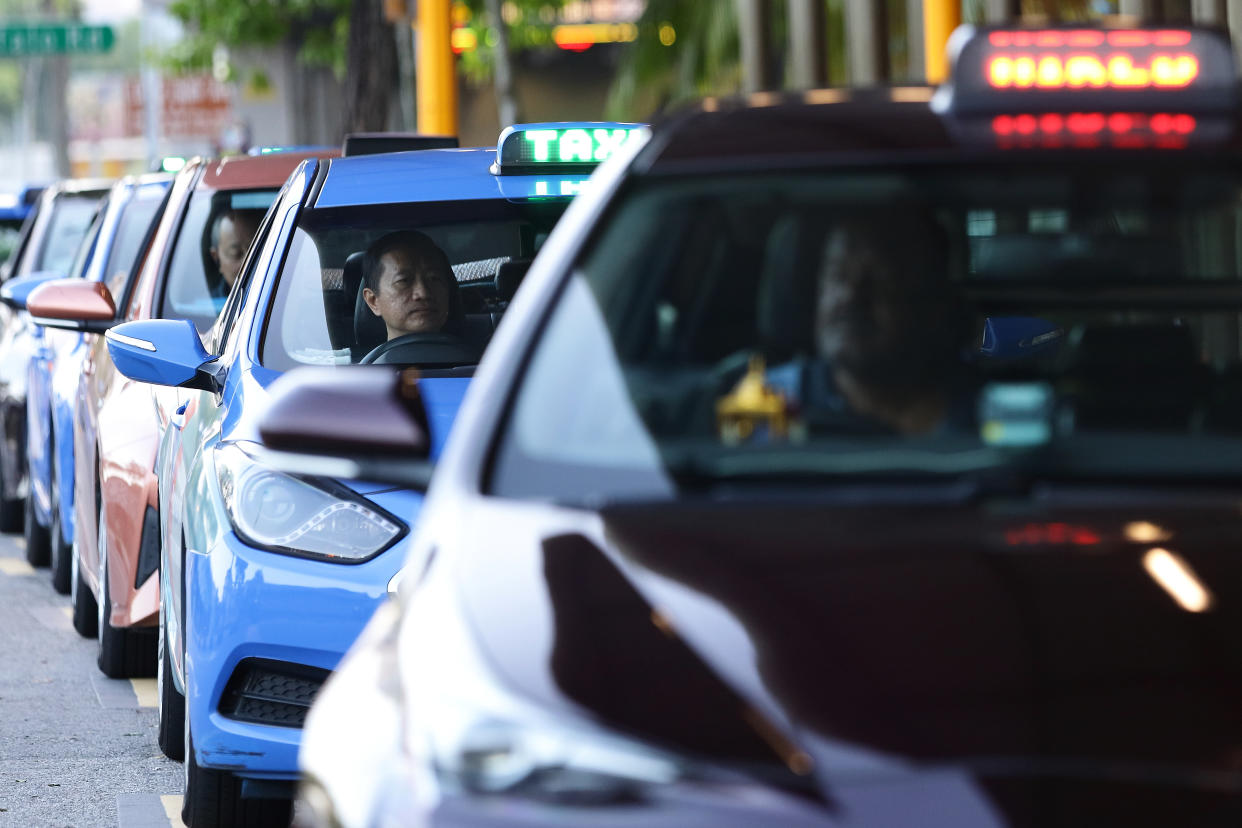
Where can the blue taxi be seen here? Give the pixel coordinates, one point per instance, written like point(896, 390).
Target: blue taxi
point(849, 458)
point(404, 260)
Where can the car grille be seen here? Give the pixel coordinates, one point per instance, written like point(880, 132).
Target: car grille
point(271, 692)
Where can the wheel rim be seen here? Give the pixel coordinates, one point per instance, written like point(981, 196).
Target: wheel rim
point(189, 747)
point(101, 604)
point(159, 671)
point(73, 574)
point(54, 498)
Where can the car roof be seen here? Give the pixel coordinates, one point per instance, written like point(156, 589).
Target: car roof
point(237, 172)
point(441, 175)
point(85, 186)
point(844, 126)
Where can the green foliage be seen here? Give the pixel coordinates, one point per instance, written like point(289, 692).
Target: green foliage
point(704, 58)
point(529, 28)
point(320, 27)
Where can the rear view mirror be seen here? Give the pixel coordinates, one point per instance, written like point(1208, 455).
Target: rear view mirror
point(15, 292)
point(359, 423)
point(163, 352)
point(72, 303)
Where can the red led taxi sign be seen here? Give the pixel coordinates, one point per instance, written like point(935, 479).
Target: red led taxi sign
point(1122, 130)
point(1118, 69)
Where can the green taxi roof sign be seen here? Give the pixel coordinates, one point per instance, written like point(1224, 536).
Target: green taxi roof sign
point(559, 147)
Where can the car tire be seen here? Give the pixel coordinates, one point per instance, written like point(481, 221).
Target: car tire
point(85, 612)
point(171, 736)
point(122, 652)
point(38, 539)
point(11, 511)
point(11, 515)
point(61, 551)
point(213, 798)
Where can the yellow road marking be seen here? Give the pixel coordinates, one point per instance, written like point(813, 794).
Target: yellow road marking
point(15, 566)
point(172, 810)
point(145, 690)
point(68, 611)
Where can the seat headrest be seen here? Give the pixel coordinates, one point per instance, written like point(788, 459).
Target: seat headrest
point(785, 306)
point(509, 275)
point(369, 330)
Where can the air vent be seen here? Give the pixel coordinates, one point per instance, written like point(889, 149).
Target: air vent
point(271, 692)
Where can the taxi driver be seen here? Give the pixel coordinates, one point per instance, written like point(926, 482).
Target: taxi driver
point(407, 277)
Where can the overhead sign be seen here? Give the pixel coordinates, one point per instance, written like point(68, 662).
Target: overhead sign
point(52, 38)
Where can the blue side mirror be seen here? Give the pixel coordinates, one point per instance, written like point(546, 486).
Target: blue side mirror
point(15, 291)
point(163, 352)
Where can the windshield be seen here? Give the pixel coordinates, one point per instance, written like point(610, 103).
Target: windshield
point(210, 245)
point(71, 217)
point(980, 323)
point(420, 284)
point(135, 221)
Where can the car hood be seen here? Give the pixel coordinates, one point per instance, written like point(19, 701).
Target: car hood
point(1023, 657)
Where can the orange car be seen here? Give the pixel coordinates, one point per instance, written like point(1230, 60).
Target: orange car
point(194, 254)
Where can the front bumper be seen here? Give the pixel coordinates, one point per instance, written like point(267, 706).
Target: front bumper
point(244, 603)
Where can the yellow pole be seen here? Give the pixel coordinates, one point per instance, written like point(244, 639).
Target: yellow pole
point(940, 18)
point(436, 74)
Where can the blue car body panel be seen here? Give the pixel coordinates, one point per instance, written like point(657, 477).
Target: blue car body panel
point(56, 366)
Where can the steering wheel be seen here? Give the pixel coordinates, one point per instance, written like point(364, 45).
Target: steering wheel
point(423, 349)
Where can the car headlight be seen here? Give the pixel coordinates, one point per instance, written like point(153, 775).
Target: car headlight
point(314, 518)
point(483, 756)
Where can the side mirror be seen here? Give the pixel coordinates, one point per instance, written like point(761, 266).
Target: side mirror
point(15, 292)
point(75, 304)
point(163, 352)
point(360, 424)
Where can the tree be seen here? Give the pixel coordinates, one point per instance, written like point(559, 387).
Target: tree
point(371, 68)
point(684, 50)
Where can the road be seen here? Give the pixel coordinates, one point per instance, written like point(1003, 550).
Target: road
point(76, 749)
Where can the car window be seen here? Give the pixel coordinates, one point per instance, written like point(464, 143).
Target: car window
point(195, 287)
point(319, 315)
point(907, 324)
point(87, 248)
point(71, 216)
point(136, 219)
point(10, 233)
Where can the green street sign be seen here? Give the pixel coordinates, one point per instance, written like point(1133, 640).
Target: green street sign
point(22, 39)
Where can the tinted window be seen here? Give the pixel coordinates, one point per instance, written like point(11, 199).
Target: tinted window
point(942, 323)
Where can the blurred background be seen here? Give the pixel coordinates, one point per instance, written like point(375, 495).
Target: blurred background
point(107, 87)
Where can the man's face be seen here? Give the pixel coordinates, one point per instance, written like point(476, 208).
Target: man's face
point(859, 313)
point(413, 294)
point(235, 238)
